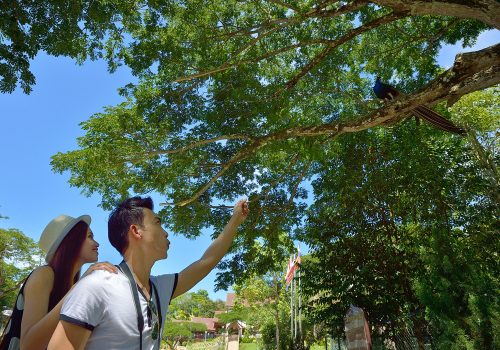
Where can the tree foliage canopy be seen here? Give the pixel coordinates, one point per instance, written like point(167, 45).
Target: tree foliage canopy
point(400, 227)
point(194, 304)
point(176, 333)
point(19, 255)
point(251, 98)
point(78, 29)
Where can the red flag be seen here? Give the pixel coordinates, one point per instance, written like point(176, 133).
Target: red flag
point(298, 260)
point(288, 267)
point(290, 272)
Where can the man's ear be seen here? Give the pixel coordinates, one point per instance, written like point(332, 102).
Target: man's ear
point(134, 230)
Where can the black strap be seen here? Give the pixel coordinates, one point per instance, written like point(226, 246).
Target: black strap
point(153, 287)
point(135, 293)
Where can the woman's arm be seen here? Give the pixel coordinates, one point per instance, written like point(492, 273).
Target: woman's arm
point(38, 322)
point(37, 325)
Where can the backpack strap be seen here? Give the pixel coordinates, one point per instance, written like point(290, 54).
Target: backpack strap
point(135, 293)
point(158, 306)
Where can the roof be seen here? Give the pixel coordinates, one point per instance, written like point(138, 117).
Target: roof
point(209, 322)
point(236, 325)
point(230, 299)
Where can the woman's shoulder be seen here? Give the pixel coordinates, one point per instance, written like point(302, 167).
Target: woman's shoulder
point(41, 276)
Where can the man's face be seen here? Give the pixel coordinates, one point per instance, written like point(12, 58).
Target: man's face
point(153, 234)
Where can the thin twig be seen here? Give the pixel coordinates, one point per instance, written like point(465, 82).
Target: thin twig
point(391, 17)
point(288, 6)
point(454, 82)
point(190, 146)
point(281, 24)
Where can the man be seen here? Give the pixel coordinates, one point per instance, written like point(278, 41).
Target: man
point(127, 310)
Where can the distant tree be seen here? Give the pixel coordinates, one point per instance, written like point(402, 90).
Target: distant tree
point(220, 305)
point(261, 300)
point(197, 304)
point(19, 255)
point(176, 333)
point(239, 313)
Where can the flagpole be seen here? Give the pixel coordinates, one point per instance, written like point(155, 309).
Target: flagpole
point(295, 304)
point(300, 308)
point(291, 308)
point(300, 297)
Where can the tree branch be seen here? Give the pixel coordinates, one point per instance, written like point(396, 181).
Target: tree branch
point(487, 163)
point(297, 184)
point(15, 287)
point(190, 146)
point(242, 154)
point(431, 38)
point(264, 194)
point(254, 60)
point(288, 6)
point(471, 71)
point(337, 42)
point(281, 24)
point(486, 11)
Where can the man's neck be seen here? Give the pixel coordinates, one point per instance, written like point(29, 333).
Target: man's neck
point(141, 268)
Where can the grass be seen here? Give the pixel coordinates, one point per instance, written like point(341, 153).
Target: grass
point(317, 347)
point(248, 346)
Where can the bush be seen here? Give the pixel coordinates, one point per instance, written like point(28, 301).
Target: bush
point(268, 340)
point(245, 339)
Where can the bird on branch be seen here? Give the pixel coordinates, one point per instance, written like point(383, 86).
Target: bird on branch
point(389, 93)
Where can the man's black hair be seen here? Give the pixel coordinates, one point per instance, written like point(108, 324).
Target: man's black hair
point(129, 212)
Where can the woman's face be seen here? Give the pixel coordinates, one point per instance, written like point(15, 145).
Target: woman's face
point(89, 252)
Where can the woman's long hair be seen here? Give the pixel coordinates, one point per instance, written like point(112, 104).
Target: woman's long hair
point(64, 261)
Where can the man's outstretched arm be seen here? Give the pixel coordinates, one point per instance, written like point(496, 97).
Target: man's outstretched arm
point(214, 253)
point(69, 336)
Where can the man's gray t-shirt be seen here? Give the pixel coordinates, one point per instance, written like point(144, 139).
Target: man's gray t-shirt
point(103, 303)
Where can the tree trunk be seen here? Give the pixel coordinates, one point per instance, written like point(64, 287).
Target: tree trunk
point(488, 164)
point(277, 313)
point(486, 11)
point(420, 335)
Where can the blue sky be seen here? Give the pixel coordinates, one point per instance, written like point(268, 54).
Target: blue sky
point(36, 126)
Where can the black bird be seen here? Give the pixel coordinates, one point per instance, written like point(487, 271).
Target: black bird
point(388, 92)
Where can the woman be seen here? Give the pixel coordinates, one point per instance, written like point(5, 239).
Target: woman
point(69, 243)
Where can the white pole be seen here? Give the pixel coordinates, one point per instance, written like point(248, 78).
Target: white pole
point(300, 308)
point(295, 304)
point(291, 310)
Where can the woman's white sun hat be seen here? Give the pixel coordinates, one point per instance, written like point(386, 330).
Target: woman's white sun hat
point(56, 230)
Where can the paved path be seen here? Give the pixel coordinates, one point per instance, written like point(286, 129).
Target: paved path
point(233, 343)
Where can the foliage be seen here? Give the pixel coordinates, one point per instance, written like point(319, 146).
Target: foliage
point(19, 255)
point(78, 29)
point(176, 333)
point(258, 297)
point(249, 346)
point(243, 98)
point(193, 304)
point(245, 339)
point(197, 35)
point(404, 226)
point(263, 305)
point(237, 314)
